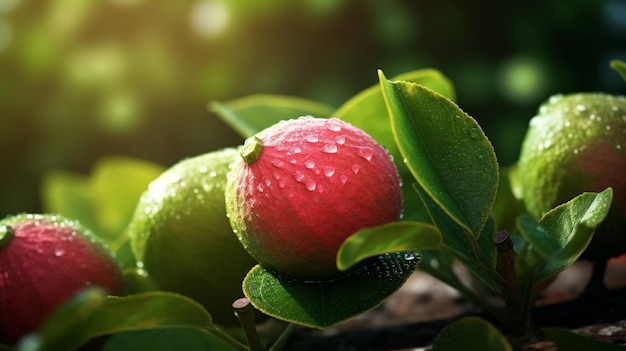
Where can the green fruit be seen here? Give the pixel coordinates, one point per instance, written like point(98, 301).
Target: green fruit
point(183, 239)
point(302, 186)
point(577, 143)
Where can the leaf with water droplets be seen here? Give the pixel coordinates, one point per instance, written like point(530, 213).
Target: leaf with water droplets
point(386, 238)
point(561, 236)
point(446, 151)
point(251, 114)
point(321, 304)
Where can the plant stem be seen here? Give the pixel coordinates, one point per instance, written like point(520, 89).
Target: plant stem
point(227, 338)
point(512, 296)
point(245, 313)
point(282, 339)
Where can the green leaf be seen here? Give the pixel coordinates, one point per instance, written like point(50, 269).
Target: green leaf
point(478, 254)
point(471, 334)
point(387, 238)
point(177, 339)
point(367, 111)
point(321, 304)
point(562, 234)
point(91, 314)
point(251, 114)
point(445, 150)
point(620, 67)
point(568, 340)
point(105, 200)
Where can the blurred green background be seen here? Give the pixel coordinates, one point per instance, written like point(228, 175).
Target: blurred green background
point(80, 80)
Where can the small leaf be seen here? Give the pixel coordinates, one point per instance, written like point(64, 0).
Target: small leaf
point(387, 238)
point(568, 340)
point(620, 67)
point(321, 304)
point(91, 314)
point(562, 234)
point(367, 110)
point(251, 114)
point(446, 151)
point(471, 334)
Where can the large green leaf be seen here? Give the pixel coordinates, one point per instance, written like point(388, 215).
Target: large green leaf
point(251, 114)
point(471, 334)
point(367, 110)
point(91, 314)
point(568, 340)
point(445, 150)
point(321, 304)
point(387, 238)
point(562, 234)
point(105, 200)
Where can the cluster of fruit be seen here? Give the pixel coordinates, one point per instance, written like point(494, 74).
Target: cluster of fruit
point(292, 194)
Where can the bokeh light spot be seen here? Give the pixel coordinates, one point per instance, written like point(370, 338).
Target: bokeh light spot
point(209, 18)
point(523, 80)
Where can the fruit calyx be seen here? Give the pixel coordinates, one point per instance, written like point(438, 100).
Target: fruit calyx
point(251, 149)
point(6, 235)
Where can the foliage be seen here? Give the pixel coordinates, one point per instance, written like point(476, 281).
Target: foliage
point(455, 183)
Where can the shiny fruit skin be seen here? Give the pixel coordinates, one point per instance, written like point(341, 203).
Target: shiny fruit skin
point(315, 182)
point(577, 143)
point(182, 237)
point(49, 260)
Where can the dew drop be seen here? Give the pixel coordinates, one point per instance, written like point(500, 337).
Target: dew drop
point(203, 169)
point(340, 140)
point(259, 187)
point(299, 176)
point(547, 144)
point(474, 133)
point(580, 108)
point(309, 164)
point(409, 256)
point(329, 171)
point(333, 125)
point(366, 153)
point(343, 179)
point(282, 183)
point(356, 168)
point(311, 138)
point(294, 150)
point(330, 148)
point(59, 251)
point(310, 184)
point(278, 163)
point(608, 127)
point(618, 146)
point(293, 161)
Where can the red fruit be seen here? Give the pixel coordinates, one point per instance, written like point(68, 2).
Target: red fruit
point(45, 260)
point(302, 187)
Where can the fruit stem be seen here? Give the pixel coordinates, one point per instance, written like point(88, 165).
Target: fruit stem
point(503, 242)
point(6, 235)
point(251, 149)
point(245, 313)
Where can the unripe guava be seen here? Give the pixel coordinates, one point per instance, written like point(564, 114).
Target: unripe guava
point(181, 235)
point(302, 187)
point(44, 260)
point(577, 143)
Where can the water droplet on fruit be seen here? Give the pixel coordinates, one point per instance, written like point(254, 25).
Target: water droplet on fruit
point(310, 185)
point(474, 133)
point(309, 164)
point(59, 251)
point(333, 125)
point(278, 163)
point(580, 108)
point(329, 171)
point(340, 140)
point(343, 179)
point(356, 168)
point(294, 150)
point(299, 176)
point(259, 187)
point(366, 153)
point(311, 138)
point(409, 256)
point(203, 169)
point(330, 148)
